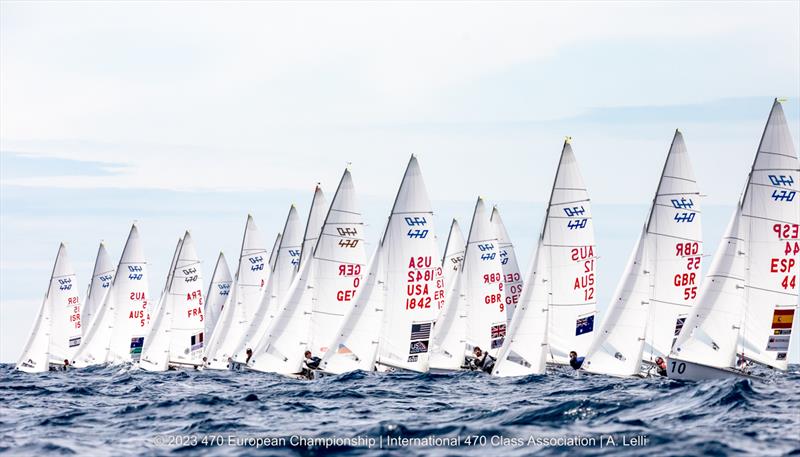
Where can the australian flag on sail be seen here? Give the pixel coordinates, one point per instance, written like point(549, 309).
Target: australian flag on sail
point(584, 325)
point(136, 347)
point(421, 331)
point(197, 341)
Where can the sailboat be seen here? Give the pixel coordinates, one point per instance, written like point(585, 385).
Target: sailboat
point(453, 255)
point(118, 330)
point(176, 337)
point(512, 277)
point(102, 276)
point(557, 307)
point(56, 332)
point(247, 290)
point(322, 291)
point(218, 293)
point(659, 285)
point(475, 312)
point(287, 258)
point(747, 303)
point(390, 324)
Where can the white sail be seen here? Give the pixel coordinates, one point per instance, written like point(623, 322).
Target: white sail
point(218, 293)
point(356, 340)
point(102, 276)
point(617, 350)
point(660, 283)
point(247, 290)
point(287, 258)
point(748, 301)
point(117, 332)
point(512, 276)
point(453, 255)
point(476, 316)
point(170, 271)
point(557, 307)
point(273, 254)
point(569, 243)
point(414, 288)
point(176, 337)
point(56, 333)
point(316, 217)
point(322, 293)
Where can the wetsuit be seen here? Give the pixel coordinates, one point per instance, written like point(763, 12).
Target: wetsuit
point(576, 363)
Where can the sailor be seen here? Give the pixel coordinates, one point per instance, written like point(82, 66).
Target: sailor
point(574, 361)
point(482, 361)
point(249, 353)
point(311, 363)
point(661, 366)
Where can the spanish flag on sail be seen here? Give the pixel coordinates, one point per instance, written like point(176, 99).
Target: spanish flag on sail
point(782, 318)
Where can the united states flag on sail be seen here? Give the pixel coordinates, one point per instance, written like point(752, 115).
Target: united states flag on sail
point(421, 331)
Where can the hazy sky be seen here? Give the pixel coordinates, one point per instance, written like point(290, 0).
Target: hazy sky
point(192, 114)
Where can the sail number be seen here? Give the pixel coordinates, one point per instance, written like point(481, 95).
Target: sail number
point(584, 256)
point(681, 367)
point(423, 284)
point(785, 266)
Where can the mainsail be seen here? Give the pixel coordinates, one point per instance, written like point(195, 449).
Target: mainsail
point(659, 285)
point(556, 310)
point(247, 290)
point(512, 277)
point(475, 313)
point(412, 277)
point(218, 292)
point(748, 301)
point(56, 333)
point(118, 330)
point(102, 276)
point(176, 337)
point(287, 257)
point(322, 292)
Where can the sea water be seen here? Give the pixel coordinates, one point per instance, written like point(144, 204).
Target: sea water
point(124, 411)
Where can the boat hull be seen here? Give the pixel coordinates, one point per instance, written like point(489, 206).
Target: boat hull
point(689, 371)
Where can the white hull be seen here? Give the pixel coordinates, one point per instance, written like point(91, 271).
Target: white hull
point(689, 371)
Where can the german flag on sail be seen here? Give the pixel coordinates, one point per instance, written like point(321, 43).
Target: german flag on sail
point(782, 318)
